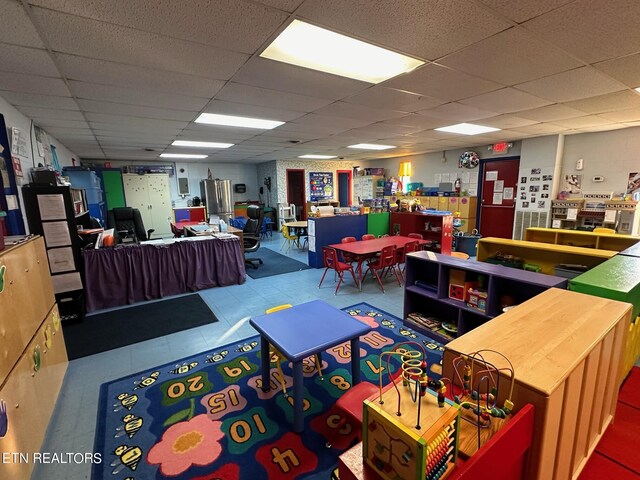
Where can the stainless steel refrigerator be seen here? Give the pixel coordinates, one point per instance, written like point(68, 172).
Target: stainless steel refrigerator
point(216, 195)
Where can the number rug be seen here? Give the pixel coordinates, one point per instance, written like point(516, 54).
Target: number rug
point(204, 417)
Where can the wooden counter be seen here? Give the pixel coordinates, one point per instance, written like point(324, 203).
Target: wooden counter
point(566, 349)
point(545, 255)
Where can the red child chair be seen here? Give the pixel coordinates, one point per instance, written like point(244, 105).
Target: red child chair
point(350, 406)
point(368, 236)
point(330, 258)
point(401, 255)
point(386, 261)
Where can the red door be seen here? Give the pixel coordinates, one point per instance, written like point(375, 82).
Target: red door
point(499, 189)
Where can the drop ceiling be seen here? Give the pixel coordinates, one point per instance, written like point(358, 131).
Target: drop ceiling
point(112, 78)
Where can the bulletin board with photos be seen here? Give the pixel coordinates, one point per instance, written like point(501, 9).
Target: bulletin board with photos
point(534, 189)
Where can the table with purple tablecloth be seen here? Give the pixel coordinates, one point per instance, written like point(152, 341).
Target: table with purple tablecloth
point(133, 273)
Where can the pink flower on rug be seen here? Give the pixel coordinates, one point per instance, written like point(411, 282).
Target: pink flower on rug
point(194, 442)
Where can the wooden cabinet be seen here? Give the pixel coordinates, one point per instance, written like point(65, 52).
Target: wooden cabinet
point(151, 195)
point(579, 238)
point(566, 349)
point(544, 255)
point(33, 358)
point(437, 286)
point(437, 229)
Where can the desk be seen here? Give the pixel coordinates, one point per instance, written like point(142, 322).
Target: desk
point(305, 330)
point(127, 274)
point(366, 248)
point(197, 230)
point(298, 228)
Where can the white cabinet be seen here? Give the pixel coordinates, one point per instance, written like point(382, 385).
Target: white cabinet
point(366, 187)
point(151, 195)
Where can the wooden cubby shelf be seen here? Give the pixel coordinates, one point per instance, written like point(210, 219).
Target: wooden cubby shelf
point(427, 288)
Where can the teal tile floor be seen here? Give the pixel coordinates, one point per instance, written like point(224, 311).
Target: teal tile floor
point(73, 424)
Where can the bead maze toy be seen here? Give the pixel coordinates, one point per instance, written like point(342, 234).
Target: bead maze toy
point(480, 414)
point(411, 430)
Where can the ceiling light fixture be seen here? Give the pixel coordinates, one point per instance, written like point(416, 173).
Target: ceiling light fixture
point(637, 89)
point(318, 157)
point(181, 155)
point(189, 143)
point(317, 48)
point(371, 146)
point(234, 121)
point(467, 129)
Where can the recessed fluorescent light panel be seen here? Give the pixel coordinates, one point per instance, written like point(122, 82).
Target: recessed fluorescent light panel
point(181, 155)
point(467, 129)
point(637, 89)
point(189, 143)
point(318, 157)
point(233, 121)
point(317, 48)
point(371, 146)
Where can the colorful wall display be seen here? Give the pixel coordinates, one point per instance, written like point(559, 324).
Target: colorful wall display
point(321, 185)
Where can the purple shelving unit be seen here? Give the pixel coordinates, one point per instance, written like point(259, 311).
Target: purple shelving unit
point(427, 291)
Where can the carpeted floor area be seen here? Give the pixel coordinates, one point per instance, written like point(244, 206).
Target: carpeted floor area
point(126, 326)
point(273, 263)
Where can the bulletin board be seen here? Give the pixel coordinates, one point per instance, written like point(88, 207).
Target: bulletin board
point(9, 191)
point(534, 189)
point(321, 186)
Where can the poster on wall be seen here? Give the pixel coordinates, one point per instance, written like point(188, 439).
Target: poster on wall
point(633, 186)
point(534, 194)
point(572, 185)
point(321, 186)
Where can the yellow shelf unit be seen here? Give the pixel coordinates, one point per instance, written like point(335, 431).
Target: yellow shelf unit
point(545, 255)
point(578, 238)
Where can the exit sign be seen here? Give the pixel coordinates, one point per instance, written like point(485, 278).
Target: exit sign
point(501, 147)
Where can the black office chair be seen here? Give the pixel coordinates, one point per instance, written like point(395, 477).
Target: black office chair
point(251, 234)
point(127, 222)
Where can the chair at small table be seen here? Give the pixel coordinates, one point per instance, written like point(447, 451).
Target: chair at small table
point(368, 236)
point(401, 255)
point(386, 261)
point(349, 257)
point(331, 262)
point(289, 239)
point(277, 357)
point(417, 236)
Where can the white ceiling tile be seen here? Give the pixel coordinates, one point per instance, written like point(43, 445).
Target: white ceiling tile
point(131, 76)
point(457, 111)
point(113, 127)
point(507, 100)
point(57, 123)
point(507, 121)
point(40, 113)
point(16, 25)
point(581, 122)
point(419, 121)
point(550, 113)
point(90, 38)
point(44, 101)
point(237, 92)
point(260, 72)
point(624, 69)
point(342, 123)
point(286, 5)
point(124, 138)
point(60, 132)
point(231, 24)
point(541, 129)
point(604, 128)
point(390, 98)
point(622, 100)
point(318, 131)
point(361, 112)
point(524, 9)
point(510, 57)
point(441, 82)
point(95, 106)
point(143, 97)
point(592, 30)
point(630, 115)
point(135, 122)
point(245, 110)
point(425, 29)
point(31, 61)
point(384, 129)
point(572, 85)
point(17, 82)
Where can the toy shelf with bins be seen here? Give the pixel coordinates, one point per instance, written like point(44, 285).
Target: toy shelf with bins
point(579, 238)
point(545, 255)
point(428, 278)
point(434, 226)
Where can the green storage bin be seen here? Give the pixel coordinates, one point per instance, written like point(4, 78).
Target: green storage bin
point(378, 223)
point(617, 279)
